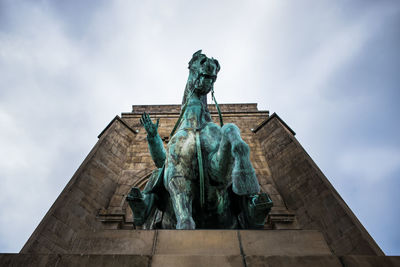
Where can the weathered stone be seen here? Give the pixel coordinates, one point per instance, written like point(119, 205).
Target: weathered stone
point(293, 261)
point(197, 242)
point(197, 260)
point(370, 261)
point(283, 242)
point(41, 260)
point(49, 260)
point(115, 242)
point(306, 190)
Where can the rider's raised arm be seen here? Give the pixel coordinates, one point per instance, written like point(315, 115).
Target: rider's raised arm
point(156, 147)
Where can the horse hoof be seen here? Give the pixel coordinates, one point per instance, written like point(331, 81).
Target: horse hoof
point(135, 195)
point(187, 224)
point(137, 204)
point(244, 182)
point(260, 205)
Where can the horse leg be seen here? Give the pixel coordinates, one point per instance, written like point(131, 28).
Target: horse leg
point(234, 156)
point(181, 197)
point(144, 203)
point(141, 204)
point(178, 171)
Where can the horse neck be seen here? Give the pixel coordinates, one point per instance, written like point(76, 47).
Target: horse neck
point(202, 114)
point(196, 113)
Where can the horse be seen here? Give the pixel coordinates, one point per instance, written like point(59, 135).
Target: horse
point(205, 178)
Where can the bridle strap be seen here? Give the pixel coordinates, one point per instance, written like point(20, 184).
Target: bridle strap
point(201, 168)
point(217, 106)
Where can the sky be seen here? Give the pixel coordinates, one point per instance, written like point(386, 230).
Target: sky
point(329, 69)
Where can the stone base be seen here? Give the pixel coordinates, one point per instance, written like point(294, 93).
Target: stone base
point(241, 248)
point(203, 242)
point(195, 260)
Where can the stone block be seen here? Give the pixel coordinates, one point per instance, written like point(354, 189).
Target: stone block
point(85, 260)
point(131, 260)
point(370, 261)
point(269, 188)
point(115, 242)
point(28, 260)
point(293, 261)
point(127, 177)
point(283, 243)
point(117, 201)
point(197, 260)
point(197, 242)
point(123, 189)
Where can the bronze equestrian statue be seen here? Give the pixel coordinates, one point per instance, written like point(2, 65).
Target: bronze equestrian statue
point(204, 178)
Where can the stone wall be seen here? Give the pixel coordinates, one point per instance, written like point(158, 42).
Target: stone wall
point(308, 192)
point(89, 190)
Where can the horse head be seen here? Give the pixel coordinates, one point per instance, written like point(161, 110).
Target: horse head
point(202, 75)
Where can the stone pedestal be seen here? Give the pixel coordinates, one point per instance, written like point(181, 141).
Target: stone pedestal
point(175, 248)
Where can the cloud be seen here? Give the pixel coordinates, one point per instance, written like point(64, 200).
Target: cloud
point(378, 163)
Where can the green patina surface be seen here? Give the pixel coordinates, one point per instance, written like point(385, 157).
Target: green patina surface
point(204, 178)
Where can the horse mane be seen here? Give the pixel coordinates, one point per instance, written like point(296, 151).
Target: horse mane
point(188, 91)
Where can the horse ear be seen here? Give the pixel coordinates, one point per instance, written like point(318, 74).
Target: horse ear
point(217, 63)
point(194, 57)
point(197, 53)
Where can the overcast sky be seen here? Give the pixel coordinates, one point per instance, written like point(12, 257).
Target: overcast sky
point(330, 69)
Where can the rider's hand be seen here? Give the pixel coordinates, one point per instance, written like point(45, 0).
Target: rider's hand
point(150, 127)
